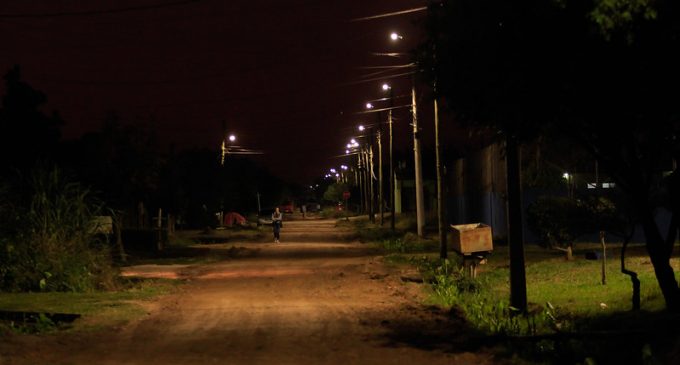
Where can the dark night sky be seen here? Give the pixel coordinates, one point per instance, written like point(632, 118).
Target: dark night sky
point(276, 72)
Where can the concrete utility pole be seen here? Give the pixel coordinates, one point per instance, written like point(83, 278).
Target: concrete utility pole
point(371, 210)
point(381, 202)
point(420, 206)
point(361, 182)
point(389, 121)
point(367, 192)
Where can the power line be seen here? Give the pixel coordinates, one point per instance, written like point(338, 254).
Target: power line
point(385, 15)
point(98, 12)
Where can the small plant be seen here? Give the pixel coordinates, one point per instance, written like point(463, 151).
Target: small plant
point(448, 280)
point(494, 317)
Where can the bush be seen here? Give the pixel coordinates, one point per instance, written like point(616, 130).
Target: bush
point(448, 280)
point(559, 221)
point(53, 245)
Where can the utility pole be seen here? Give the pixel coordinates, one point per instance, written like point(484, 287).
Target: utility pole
point(389, 121)
point(420, 208)
point(371, 210)
point(367, 192)
point(443, 252)
point(381, 203)
point(361, 184)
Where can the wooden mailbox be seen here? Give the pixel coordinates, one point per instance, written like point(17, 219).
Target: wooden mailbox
point(468, 239)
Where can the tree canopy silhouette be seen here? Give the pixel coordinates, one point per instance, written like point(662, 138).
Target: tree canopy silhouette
point(27, 134)
point(602, 74)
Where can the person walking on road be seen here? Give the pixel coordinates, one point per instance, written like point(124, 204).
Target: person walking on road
point(277, 223)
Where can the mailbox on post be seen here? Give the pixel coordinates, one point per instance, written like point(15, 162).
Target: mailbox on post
point(474, 242)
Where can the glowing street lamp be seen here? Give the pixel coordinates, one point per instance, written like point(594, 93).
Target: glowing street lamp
point(369, 106)
point(224, 149)
point(361, 128)
point(420, 207)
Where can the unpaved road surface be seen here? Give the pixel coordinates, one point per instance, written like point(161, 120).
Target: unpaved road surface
point(312, 299)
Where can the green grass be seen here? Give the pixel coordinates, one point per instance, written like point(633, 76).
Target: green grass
point(575, 286)
point(98, 309)
point(580, 306)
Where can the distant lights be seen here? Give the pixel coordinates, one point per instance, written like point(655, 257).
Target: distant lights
point(395, 36)
point(232, 138)
point(361, 128)
point(369, 106)
point(386, 87)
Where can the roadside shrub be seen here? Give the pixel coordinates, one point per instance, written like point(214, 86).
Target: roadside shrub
point(448, 280)
point(54, 246)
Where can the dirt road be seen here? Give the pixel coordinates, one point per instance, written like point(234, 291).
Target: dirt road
point(312, 299)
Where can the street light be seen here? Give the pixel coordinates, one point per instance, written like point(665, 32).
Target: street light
point(387, 88)
point(371, 129)
point(224, 149)
point(365, 161)
point(417, 164)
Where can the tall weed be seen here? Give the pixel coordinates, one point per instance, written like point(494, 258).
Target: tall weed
point(54, 246)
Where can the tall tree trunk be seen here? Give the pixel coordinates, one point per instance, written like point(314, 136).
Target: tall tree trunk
point(660, 257)
point(518, 281)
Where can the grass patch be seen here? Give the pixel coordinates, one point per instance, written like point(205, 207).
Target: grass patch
point(575, 286)
point(572, 316)
point(98, 309)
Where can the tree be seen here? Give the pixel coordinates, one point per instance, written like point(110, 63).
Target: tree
point(26, 133)
point(602, 74)
point(334, 192)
